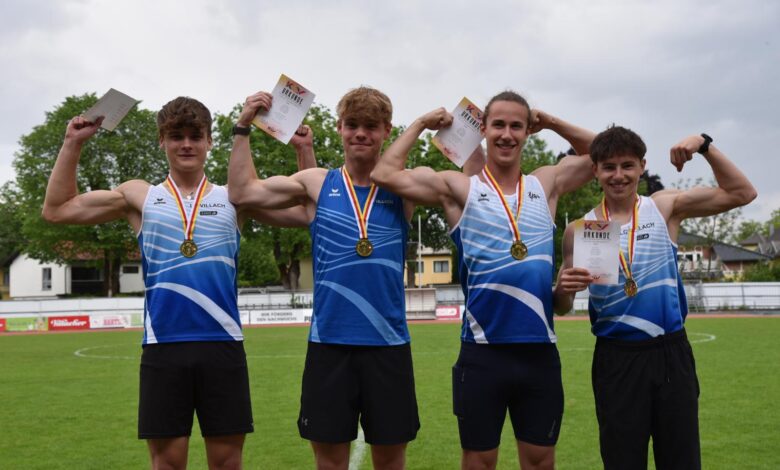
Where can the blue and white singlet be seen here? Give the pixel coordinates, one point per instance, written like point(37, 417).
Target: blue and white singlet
point(507, 300)
point(357, 300)
point(190, 299)
point(660, 306)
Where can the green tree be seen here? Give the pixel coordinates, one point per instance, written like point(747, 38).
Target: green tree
point(285, 246)
point(131, 151)
point(11, 240)
point(762, 272)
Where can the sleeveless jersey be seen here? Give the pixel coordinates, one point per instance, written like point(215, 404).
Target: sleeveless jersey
point(507, 300)
point(189, 299)
point(659, 307)
point(358, 300)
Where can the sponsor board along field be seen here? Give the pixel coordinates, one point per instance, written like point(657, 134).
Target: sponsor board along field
point(69, 400)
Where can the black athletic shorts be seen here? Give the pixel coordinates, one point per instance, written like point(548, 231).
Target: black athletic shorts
point(344, 383)
point(643, 389)
point(209, 378)
point(523, 377)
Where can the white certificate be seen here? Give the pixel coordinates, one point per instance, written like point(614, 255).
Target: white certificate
point(596, 248)
point(458, 141)
point(113, 106)
point(290, 104)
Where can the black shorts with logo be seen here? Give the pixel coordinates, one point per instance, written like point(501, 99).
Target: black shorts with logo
point(209, 378)
point(525, 378)
point(643, 389)
point(344, 383)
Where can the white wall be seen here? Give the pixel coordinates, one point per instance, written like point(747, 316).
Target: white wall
point(26, 278)
point(130, 283)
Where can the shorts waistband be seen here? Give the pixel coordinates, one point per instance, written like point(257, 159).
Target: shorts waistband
point(651, 343)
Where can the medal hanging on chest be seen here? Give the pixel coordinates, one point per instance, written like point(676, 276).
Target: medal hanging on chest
point(518, 250)
point(630, 287)
point(363, 247)
point(188, 247)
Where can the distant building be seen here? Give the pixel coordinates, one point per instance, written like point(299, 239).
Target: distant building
point(699, 260)
point(435, 268)
point(769, 245)
point(29, 278)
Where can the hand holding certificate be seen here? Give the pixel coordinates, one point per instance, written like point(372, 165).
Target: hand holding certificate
point(290, 104)
point(458, 141)
point(596, 245)
point(113, 107)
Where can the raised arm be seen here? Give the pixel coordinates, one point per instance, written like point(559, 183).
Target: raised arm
point(244, 187)
point(733, 189)
point(573, 171)
point(570, 279)
point(421, 185)
point(63, 204)
point(303, 143)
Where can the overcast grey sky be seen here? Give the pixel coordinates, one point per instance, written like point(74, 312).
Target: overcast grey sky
point(666, 69)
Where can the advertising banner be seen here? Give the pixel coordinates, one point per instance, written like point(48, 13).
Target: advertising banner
point(2, 324)
point(447, 312)
point(80, 322)
point(109, 321)
point(280, 317)
point(26, 324)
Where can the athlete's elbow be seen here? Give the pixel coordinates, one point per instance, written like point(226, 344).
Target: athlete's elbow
point(51, 214)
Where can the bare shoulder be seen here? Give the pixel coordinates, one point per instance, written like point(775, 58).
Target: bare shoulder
point(664, 200)
point(134, 192)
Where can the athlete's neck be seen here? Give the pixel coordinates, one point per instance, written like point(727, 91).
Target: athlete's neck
point(506, 176)
point(360, 171)
point(187, 182)
point(620, 209)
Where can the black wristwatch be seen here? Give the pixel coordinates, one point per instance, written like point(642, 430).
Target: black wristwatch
point(706, 145)
point(238, 130)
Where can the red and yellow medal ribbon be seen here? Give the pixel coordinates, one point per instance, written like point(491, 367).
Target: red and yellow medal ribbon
point(361, 213)
point(626, 265)
point(188, 220)
point(512, 218)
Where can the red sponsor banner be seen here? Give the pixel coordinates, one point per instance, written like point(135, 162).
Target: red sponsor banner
point(80, 322)
point(447, 312)
point(2, 324)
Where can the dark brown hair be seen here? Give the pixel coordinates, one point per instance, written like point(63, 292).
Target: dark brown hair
point(616, 141)
point(182, 113)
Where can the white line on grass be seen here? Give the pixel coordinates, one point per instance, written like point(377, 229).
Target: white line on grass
point(83, 353)
point(706, 337)
point(357, 453)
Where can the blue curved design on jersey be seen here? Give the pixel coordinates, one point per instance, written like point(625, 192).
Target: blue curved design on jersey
point(358, 301)
point(189, 299)
point(507, 300)
point(660, 306)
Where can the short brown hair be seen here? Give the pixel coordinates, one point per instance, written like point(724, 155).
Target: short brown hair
point(617, 141)
point(184, 112)
point(507, 95)
point(365, 104)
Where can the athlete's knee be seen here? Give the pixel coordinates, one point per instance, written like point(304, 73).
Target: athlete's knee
point(479, 460)
point(534, 457)
point(331, 456)
point(388, 457)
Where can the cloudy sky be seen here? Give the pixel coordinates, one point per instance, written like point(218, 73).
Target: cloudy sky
point(666, 69)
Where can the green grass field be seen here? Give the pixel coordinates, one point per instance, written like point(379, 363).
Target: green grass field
point(63, 410)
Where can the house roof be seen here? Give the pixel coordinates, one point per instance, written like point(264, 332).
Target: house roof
point(755, 239)
point(726, 252)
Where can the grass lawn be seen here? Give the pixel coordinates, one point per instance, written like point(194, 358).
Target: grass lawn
point(70, 400)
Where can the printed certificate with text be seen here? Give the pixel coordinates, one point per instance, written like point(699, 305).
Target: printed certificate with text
point(596, 247)
point(113, 106)
point(458, 141)
point(290, 104)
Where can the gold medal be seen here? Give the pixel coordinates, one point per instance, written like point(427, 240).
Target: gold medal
point(519, 250)
point(188, 248)
point(364, 247)
point(630, 287)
